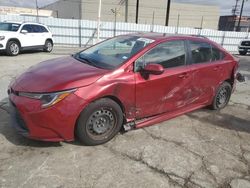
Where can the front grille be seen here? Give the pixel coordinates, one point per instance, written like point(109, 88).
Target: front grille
point(245, 43)
point(20, 121)
point(17, 119)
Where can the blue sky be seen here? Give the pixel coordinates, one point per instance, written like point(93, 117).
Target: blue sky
point(225, 6)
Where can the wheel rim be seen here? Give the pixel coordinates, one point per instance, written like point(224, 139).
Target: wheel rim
point(14, 48)
point(222, 97)
point(101, 123)
point(49, 46)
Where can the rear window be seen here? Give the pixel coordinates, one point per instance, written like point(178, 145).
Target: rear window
point(217, 54)
point(43, 29)
point(201, 52)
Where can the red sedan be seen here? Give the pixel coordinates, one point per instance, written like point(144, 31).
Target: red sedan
point(128, 82)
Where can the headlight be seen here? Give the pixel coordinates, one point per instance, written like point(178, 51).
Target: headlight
point(2, 37)
point(48, 99)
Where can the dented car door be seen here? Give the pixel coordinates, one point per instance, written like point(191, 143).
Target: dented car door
point(170, 91)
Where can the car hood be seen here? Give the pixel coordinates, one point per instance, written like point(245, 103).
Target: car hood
point(56, 75)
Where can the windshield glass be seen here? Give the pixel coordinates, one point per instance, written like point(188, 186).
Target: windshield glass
point(113, 52)
point(9, 26)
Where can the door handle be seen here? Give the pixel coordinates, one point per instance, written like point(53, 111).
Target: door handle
point(216, 68)
point(184, 75)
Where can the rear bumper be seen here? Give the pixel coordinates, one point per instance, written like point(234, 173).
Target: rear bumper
point(54, 124)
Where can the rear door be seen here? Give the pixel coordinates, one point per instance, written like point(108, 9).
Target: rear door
point(206, 70)
point(169, 91)
point(39, 37)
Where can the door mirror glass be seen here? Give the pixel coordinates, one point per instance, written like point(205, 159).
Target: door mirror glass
point(24, 31)
point(155, 69)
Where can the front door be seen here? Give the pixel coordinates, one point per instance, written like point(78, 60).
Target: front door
point(27, 39)
point(156, 94)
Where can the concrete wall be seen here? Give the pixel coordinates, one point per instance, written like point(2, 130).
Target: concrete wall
point(5, 10)
point(190, 14)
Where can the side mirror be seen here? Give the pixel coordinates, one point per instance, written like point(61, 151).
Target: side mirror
point(24, 31)
point(155, 69)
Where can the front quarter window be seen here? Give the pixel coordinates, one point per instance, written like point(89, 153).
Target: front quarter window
point(114, 52)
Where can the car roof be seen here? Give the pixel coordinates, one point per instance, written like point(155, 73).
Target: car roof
point(22, 22)
point(161, 36)
point(16, 22)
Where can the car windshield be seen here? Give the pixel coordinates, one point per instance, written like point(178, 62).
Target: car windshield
point(113, 52)
point(9, 26)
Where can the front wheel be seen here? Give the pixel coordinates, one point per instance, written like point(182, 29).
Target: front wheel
point(99, 122)
point(12, 48)
point(222, 96)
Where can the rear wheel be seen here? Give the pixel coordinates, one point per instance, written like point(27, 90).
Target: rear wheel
point(243, 52)
point(12, 48)
point(48, 46)
point(99, 122)
point(222, 96)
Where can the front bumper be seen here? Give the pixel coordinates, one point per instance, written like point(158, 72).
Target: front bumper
point(3, 44)
point(243, 48)
point(56, 123)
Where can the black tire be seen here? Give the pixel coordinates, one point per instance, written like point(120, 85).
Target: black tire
point(242, 52)
point(99, 122)
point(12, 48)
point(222, 96)
point(48, 46)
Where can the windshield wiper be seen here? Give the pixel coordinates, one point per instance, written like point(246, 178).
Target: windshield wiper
point(85, 60)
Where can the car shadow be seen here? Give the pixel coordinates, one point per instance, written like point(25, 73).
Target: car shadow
point(11, 134)
point(2, 53)
point(223, 120)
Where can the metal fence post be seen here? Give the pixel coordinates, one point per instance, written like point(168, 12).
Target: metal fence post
point(153, 22)
point(223, 38)
point(178, 22)
point(80, 32)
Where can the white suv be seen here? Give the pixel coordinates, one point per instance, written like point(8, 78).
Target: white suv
point(17, 36)
point(244, 47)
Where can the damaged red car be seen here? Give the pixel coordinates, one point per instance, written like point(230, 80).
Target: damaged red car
point(126, 82)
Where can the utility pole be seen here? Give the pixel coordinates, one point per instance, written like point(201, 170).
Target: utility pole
point(114, 11)
point(126, 10)
point(241, 10)
point(80, 23)
point(167, 12)
point(137, 11)
point(37, 14)
point(235, 11)
point(99, 20)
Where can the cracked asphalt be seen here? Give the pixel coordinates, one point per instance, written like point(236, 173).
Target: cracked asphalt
point(200, 149)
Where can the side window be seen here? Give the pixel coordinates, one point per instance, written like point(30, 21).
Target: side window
point(201, 52)
point(27, 28)
point(43, 29)
point(217, 54)
point(36, 28)
point(168, 54)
